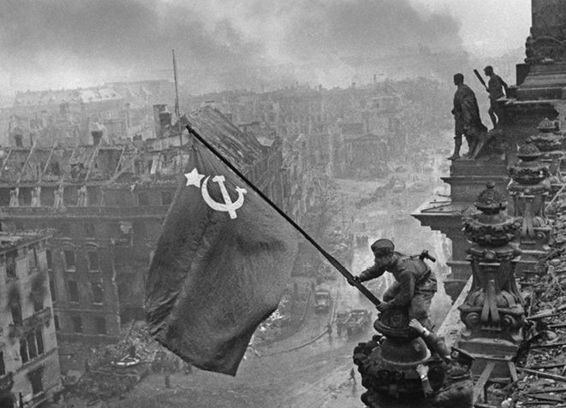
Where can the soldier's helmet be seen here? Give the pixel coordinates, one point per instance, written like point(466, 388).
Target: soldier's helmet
point(461, 364)
point(382, 247)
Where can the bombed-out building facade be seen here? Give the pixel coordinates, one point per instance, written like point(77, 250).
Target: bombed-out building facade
point(29, 360)
point(104, 203)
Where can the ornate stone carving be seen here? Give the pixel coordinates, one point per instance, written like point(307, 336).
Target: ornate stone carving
point(549, 142)
point(388, 364)
point(530, 188)
point(493, 310)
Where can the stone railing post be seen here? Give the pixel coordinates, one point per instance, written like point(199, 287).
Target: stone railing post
point(530, 188)
point(493, 312)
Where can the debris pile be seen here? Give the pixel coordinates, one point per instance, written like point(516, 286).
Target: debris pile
point(116, 368)
point(542, 362)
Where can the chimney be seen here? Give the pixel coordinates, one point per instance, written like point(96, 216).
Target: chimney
point(157, 110)
point(96, 136)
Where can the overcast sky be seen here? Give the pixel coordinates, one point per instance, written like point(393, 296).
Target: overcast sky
point(488, 27)
point(221, 43)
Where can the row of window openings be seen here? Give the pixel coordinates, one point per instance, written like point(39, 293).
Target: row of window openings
point(71, 197)
point(70, 260)
point(77, 322)
point(64, 229)
point(29, 347)
point(96, 289)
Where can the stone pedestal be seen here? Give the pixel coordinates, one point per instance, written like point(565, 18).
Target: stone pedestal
point(388, 364)
point(549, 141)
point(530, 189)
point(493, 312)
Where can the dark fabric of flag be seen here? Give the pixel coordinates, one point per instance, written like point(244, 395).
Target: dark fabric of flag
point(216, 273)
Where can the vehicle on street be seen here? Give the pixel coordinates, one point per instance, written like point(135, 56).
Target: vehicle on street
point(322, 300)
point(357, 322)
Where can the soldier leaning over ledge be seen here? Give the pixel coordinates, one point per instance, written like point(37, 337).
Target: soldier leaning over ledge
point(415, 283)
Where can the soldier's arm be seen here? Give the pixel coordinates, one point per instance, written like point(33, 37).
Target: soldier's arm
point(406, 289)
point(371, 273)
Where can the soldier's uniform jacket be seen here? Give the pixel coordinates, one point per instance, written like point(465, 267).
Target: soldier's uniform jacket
point(457, 391)
point(466, 110)
point(495, 87)
point(412, 274)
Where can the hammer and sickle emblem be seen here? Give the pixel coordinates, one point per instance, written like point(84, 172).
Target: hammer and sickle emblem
point(228, 205)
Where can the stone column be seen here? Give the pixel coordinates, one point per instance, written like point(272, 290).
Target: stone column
point(529, 188)
point(493, 312)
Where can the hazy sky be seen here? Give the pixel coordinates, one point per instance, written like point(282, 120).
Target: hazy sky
point(488, 27)
point(227, 43)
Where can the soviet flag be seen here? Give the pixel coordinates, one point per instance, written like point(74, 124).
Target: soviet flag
point(221, 265)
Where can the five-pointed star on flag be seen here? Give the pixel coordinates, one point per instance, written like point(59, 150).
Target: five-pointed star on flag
point(194, 178)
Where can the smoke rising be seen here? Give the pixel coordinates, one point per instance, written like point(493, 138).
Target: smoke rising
point(219, 44)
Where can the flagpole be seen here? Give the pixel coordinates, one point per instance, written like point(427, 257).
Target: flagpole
point(333, 261)
point(177, 108)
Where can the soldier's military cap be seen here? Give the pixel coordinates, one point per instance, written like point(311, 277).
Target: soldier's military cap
point(382, 247)
point(461, 356)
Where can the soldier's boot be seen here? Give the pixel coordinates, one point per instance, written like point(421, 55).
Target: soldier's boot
point(457, 146)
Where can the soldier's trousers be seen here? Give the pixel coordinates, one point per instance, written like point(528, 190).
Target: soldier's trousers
point(420, 304)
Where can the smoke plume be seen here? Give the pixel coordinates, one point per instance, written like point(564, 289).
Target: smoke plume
point(219, 44)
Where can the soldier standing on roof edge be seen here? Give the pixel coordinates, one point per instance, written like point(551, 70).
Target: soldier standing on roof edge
point(467, 120)
point(415, 283)
point(495, 87)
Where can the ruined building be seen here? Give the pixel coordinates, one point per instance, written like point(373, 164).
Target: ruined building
point(67, 116)
point(29, 363)
point(345, 130)
point(106, 204)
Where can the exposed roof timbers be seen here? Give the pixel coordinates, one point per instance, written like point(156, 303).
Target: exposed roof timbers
point(58, 164)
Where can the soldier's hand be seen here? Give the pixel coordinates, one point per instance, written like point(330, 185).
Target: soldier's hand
point(355, 279)
point(383, 306)
point(415, 324)
point(422, 370)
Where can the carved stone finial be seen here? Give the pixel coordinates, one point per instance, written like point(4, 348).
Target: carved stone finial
point(492, 312)
point(547, 125)
point(528, 151)
point(490, 201)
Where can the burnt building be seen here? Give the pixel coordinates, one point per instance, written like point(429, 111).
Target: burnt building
point(106, 204)
point(29, 362)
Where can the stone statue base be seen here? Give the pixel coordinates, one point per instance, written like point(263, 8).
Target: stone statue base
point(388, 364)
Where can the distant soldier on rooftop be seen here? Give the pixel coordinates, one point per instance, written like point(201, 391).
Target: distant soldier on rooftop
point(497, 88)
point(466, 116)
